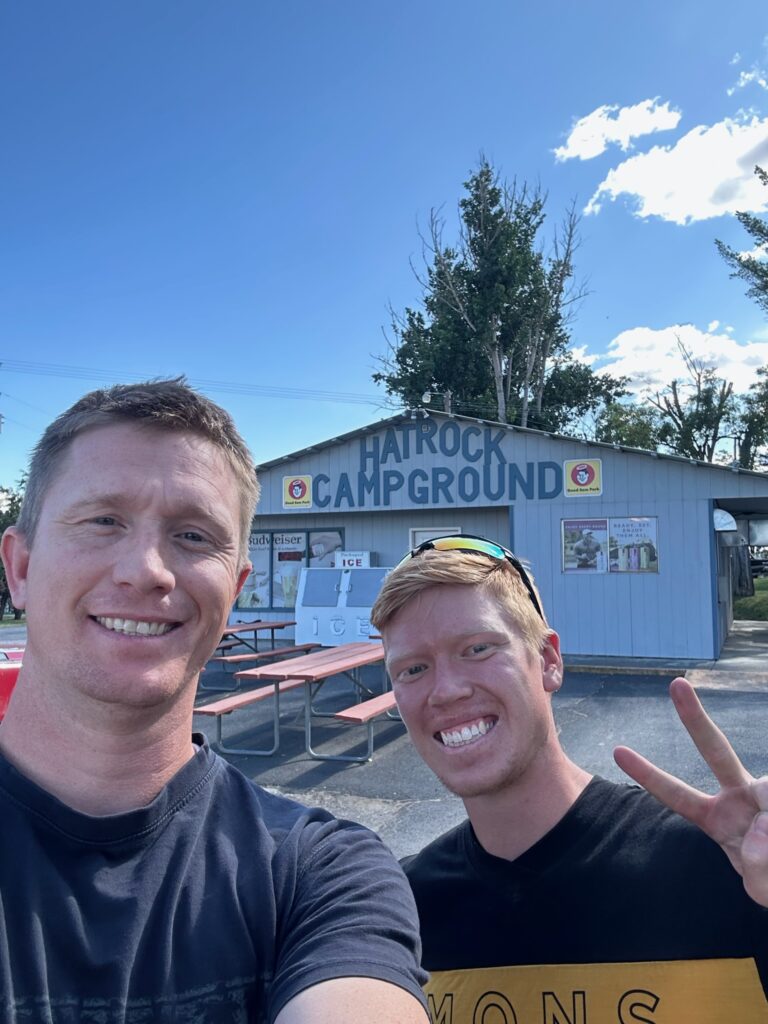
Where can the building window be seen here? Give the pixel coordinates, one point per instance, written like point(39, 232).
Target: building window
point(277, 557)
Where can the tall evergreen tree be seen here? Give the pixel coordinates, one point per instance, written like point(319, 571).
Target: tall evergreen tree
point(493, 330)
point(751, 267)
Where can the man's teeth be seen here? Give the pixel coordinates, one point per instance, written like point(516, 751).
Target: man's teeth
point(134, 627)
point(467, 733)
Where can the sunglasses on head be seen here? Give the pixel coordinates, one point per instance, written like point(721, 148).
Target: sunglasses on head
point(471, 545)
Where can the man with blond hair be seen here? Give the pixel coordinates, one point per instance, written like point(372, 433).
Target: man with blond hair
point(142, 878)
point(563, 899)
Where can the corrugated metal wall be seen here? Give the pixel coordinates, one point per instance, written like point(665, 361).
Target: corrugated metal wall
point(671, 613)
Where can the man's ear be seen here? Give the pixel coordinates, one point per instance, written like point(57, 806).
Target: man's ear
point(242, 577)
point(15, 554)
point(551, 663)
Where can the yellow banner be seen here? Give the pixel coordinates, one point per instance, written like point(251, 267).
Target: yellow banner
point(659, 992)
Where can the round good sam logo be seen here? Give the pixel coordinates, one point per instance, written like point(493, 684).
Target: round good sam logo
point(583, 474)
point(297, 489)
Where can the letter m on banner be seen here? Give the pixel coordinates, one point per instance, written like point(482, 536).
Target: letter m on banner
point(443, 1014)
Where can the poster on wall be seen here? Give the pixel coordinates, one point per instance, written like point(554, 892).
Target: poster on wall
point(633, 544)
point(323, 545)
point(288, 556)
point(585, 545)
point(255, 592)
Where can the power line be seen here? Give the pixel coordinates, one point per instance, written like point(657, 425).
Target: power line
point(61, 370)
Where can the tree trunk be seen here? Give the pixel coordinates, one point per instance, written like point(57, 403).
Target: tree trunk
point(494, 356)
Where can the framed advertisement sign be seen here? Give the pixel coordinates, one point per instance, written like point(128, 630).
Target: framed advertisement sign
point(256, 591)
point(616, 544)
point(633, 544)
point(289, 550)
point(585, 545)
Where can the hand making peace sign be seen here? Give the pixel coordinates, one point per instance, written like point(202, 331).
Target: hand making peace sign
point(737, 816)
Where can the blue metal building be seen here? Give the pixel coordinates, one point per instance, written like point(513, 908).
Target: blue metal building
point(634, 552)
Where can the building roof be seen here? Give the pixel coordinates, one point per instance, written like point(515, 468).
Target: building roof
point(415, 414)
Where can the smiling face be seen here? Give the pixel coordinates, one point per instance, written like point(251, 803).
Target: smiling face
point(134, 565)
point(474, 697)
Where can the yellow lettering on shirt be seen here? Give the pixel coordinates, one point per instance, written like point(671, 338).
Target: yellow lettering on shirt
point(657, 992)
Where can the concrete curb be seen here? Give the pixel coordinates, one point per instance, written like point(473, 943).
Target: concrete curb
point(634, 669)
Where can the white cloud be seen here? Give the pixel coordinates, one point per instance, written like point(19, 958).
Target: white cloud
point(713, 326)
point(591, 135)
point(756, 75)
point(736, 58)
point(581, 355)
point(760, 252)
point(706, 173)
point(651, 358)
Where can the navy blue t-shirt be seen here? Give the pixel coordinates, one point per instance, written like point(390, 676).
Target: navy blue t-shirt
point(216, 903)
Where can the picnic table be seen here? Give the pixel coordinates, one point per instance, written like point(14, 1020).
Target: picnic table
point(237, 631)
point(316, 669)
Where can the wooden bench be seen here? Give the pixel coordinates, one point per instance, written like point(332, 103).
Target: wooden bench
point(367, 711)
point(227, 645)
point(251, 656)
point(276, 652)
point(316, 668)
point(226, 705)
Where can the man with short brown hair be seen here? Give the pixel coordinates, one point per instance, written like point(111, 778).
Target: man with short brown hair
point(142, 878)
point(562, 898)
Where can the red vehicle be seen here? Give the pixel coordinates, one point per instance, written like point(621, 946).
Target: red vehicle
point(9, 673)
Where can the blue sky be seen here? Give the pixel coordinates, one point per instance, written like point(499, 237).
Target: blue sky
point(233, 190)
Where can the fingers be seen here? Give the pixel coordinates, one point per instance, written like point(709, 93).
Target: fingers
point(711, 743)
point(671, 791)
point(754, 859)
point(760, 792)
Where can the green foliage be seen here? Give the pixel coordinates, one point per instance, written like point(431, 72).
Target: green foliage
point(697, 413)
point(571, 390)
point(753, 422)
point(491, 337)
point(10, 506)
point(636, 426)
point(427, 360)
point(753, 607)
point(750, 268)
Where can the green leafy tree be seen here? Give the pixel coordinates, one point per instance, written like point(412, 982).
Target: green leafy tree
point(571, 391)
point(696, 413)
point(630, 424)
point(492, 336)
point(752, 426)
point(10, 506)
point(751, 267)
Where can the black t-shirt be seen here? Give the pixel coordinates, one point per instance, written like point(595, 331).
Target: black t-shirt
point(621, 897)
point(216, 903)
